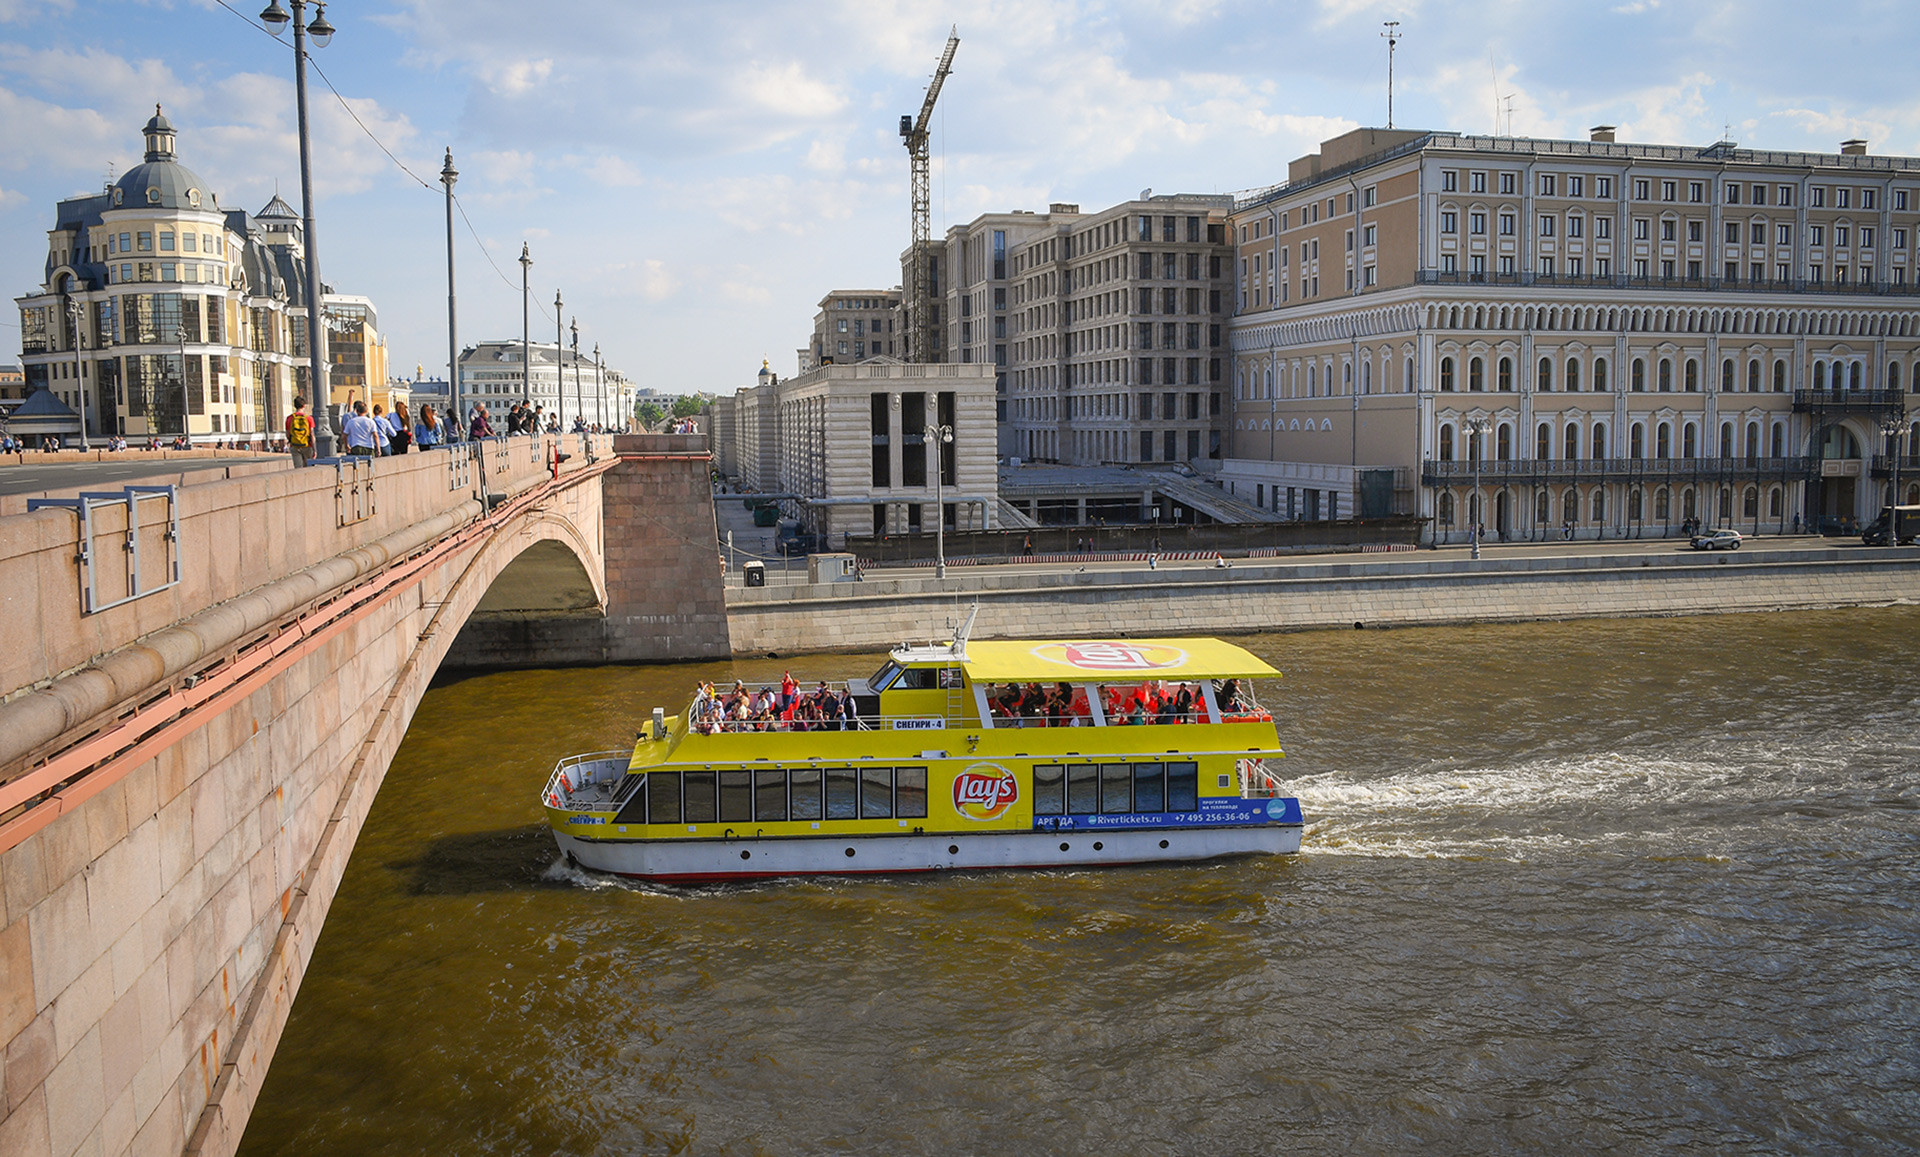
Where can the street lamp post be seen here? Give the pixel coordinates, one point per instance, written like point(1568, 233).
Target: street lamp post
point(276, 17)
point(448, 175)
point(1476, 426)
point(599, 389)
point(526, 332)
point(559, 371)
point(938, 436)
point(186, 402)
point(580, 410)
point(1893, 425)
point(75, 311)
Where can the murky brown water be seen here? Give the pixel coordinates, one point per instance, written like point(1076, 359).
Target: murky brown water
point(1639, 887)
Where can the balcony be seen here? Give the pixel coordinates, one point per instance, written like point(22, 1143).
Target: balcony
point(1909, 466)
point(1546, 471)
point(1848, 401)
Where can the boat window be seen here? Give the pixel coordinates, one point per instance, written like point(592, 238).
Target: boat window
point(663, 797)
point(806, 793)
point(916, 679)
point(1049, 789)
point(736, 797)
point(1149, 788)
point(633, 801)
point(769, 796)
point(1116, 788)
point(700, 805)
point(843, 793)
point(882, 677)
point(910, 793)
point(876, 793)
point(950, 678)
point(1183, 787)
point(1083, 787)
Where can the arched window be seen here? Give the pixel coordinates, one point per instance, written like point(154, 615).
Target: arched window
point(1726, 439)
point(1893, 376)
point(1663, 440)
point(1779, 377)
point(1637, 441)
point(1777, 448)
point(1599, 375)
point(1639, 376)
point(1544, 382)
point(1542, 514)
point(1570, 505)
point(1444, 510)
point(1666, 375)
point(1689, 440)
point(1693, 376)
point(1366, 377)
point(1599, 505)
point(1773, 503)
point(1819, 375)
point(1750, 504)
point(1543, 442)
point(1505, 448)
point(1634, 497)
point(1506, 375)
point(1476, 375)
point(1726, 376)
point(1446, 375)
point(1662, 505)
point(1854, 376)
point(1753, 441)
point(1753, 376)
point(1686, 503)
point(1573, 375)
point(1599, 440)
point(1573, 442)
point(1446, 442)
point(1409, 383)
point(1726, 504)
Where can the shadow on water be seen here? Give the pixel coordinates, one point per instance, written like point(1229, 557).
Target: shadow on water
point(469, 863)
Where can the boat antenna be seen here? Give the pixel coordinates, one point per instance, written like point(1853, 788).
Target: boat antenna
point(958, 649)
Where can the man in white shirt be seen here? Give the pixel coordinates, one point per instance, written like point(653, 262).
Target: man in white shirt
point(363, 437)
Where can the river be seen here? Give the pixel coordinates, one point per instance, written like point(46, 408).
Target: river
point(1635, 886)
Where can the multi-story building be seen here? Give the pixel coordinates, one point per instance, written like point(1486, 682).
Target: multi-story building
point(1615, 338)
point(564, 384)
point(161, 310)
point(979, 297)
point(1117, 334)
point(356, 351)
point(851, 442)
point(853, 325)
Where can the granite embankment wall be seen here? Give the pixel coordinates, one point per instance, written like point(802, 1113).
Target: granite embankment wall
point(1382, 592)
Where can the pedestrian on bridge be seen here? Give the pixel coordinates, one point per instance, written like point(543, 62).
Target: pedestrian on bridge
point(361, 434)
point(300, 433)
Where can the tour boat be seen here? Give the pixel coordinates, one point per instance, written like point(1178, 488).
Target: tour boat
point(1146, 750)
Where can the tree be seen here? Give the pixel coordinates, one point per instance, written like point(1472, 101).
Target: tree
point(650, 414)
point(688, 406)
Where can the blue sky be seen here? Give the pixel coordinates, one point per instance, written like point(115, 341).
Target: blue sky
point(694, 177)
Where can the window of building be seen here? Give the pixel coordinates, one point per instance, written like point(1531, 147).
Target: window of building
point(1575, 225)
point(1506, 224)
point(1477, 223)
point(1478, 184)
point(1543, 380)
point(1696, 191)
point(1449, 221)
point(1476, 375)
point(1669, 190)
point(1506, 184)
point(1449, 180)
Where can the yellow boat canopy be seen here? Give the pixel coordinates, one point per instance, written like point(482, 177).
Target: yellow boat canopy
point(1109, 661)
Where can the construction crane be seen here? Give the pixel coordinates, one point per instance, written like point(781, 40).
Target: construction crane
point(920, 343)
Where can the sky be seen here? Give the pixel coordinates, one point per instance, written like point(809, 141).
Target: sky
point(693, 178)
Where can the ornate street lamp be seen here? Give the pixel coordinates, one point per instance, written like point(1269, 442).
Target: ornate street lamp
point(75, 311)
point(938, 436)
point(448, 175)
point(526, 320)
point(559, 370)
point(320, 32)
point(1476, 426)
point(1893, 425)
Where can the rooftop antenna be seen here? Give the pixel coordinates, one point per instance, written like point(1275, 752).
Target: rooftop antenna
point(1509, 99)
point(1392, 35)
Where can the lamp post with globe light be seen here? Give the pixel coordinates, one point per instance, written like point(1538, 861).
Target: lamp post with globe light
point(938, 436)
point(1893, 425)
point(1476, 426)
point(276, 17)
point(76, 312)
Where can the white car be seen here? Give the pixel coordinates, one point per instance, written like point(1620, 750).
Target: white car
point(1726, 538)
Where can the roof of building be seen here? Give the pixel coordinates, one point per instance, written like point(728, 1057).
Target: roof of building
point(277, 208)
point(162, 182)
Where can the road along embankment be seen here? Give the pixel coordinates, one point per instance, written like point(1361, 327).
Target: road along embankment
point(1383, 591)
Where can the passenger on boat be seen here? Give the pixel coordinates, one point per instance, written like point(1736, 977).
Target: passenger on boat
point(1227, 695)
point(788, 690)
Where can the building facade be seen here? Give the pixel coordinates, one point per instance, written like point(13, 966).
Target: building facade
point(163, 313)
point(566, 385)
point(979, 298)
point(851, 441)
point(853, 325)
point(1117, 346)
point(1616, 339)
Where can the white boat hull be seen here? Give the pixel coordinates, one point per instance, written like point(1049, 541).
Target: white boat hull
point(752, 859)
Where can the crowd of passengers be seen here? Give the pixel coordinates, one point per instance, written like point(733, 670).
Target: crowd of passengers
point(1064, 705)
point(787, 709)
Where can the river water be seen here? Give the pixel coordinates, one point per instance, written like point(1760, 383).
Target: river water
point(1636, 886)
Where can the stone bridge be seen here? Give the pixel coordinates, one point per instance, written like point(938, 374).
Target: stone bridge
point(204, 688)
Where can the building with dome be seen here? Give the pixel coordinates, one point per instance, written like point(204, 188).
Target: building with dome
point(162, 310)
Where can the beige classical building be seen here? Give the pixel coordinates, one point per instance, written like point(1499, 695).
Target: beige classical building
point(853, 325)
point(160, 307)
point(565, 383)
point(1116, 335)
point(1616, 338)
point(979, 297)
point(850, 445)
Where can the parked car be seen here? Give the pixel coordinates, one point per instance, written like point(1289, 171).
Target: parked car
point(1726, 538)
point(1906, 518)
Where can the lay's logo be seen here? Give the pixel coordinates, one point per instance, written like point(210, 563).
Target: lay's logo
point(986, 793)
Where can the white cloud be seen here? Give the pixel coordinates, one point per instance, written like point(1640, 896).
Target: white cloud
point(517, 77)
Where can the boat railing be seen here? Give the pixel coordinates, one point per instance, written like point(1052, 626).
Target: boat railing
point(587, 782)
point(1257, 781)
